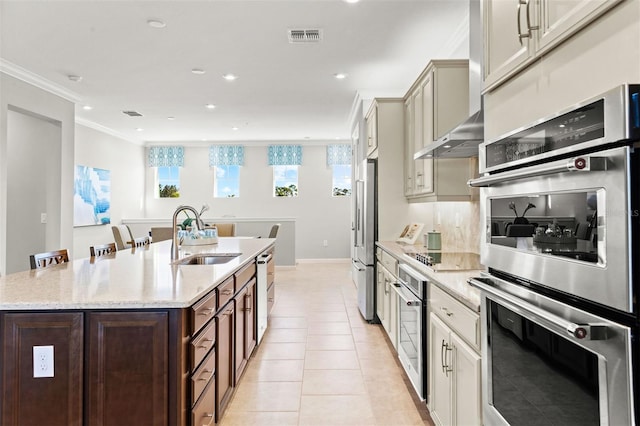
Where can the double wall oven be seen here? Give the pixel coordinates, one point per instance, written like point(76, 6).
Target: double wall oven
point(560, 207)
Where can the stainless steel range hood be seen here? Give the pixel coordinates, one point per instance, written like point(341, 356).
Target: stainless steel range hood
point(462, 141)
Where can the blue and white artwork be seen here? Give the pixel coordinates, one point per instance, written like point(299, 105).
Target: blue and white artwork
point(92, 197)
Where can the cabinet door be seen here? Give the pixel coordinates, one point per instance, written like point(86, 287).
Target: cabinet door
point(408, 147)
point(466, 384)
point(240, 329)
point(505, 50)
point(224, 358)
point(440, 374)
point(380, 293)
point(372, 130)
point(53, 400)
point(561, 18)
point(127, 368)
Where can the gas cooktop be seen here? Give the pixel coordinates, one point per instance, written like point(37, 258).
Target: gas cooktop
point(448, 261)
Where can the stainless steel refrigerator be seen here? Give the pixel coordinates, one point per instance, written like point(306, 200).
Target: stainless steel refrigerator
point(365, 236)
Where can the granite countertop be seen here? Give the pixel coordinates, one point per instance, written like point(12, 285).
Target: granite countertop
point(453, 282)
point(130, 279)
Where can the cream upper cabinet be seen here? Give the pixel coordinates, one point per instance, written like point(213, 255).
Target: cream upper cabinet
point(519, 31)
point(372, 130)
point(435, 103)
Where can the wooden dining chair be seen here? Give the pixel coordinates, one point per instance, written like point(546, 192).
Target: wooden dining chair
point(44, 260)
point(141, 242)
point(102, 249)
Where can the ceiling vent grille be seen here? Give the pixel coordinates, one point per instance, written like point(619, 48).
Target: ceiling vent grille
point(132, 113)
point(305, 36)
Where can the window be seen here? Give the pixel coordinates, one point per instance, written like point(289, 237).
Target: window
point(168, 178)
point(285, 181)
point(342, 180)
point(226, 181)
point(339, 157)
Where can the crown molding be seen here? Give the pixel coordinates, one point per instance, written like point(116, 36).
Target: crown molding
point(38, 81)
point(459, 37)
point(107, 130)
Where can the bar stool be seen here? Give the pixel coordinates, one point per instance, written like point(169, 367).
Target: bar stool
point(102, 249)
point(50, 258)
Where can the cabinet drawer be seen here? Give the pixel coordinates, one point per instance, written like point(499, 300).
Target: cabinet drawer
point(204, 411)
point(225, 292)
point(457, 316)
point(271, 297)
point(244, 275)
point(389, 262)
point(202, 376)
point(202, 344)
point(271, 272)
point(203, 311)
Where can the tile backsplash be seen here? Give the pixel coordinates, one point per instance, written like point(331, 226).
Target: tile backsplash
point(457, 222)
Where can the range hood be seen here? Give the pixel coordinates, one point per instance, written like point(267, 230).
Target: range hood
point(462, 141)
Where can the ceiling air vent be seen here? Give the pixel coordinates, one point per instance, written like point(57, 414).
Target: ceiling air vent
point(304, 36)
point(132, 113)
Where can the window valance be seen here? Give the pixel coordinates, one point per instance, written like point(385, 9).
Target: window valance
point(166, 156)
point(285, 155)
point(338, 154)
point(226, 155)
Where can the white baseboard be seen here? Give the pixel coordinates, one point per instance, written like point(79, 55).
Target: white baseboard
point(339, 260)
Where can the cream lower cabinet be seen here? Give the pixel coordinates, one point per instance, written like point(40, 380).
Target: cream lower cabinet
point(454, 365)
point(387, 303)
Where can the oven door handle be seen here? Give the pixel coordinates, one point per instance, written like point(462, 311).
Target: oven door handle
point(577, 331)
point(577, 164)
point(406, 295)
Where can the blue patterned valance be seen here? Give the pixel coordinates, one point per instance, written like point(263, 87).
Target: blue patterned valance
point(285, 155)
point(166, 156)
point(338, 155)
point(226, 155)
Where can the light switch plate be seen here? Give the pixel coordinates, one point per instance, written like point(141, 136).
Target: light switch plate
point(43, 361)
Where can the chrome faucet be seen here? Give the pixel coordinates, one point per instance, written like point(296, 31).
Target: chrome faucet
point(174, 243)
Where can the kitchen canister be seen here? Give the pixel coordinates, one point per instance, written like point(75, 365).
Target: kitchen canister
point(432, 241)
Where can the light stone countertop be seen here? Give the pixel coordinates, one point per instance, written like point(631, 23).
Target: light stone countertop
point(130, 279)
point(454, 283)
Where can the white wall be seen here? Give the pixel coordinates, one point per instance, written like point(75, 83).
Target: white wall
point(319, 216)
point(28, 100)
point(126, 162)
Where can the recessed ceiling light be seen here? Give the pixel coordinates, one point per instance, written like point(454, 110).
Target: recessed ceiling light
point(198, 71)
point(139, 129)
point(337, 138)
point(340, 76)
point(171, 118)
point(210, 106)
point(75, 78)
point(203, 139)
point(446, 146)
point(352, 1)
point(229, 77)
point(156, 23)
point(234, 128)
point(87, 107)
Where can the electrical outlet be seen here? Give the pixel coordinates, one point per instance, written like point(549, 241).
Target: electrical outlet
point(325, 243)
point(43, 218)
point(43, 361)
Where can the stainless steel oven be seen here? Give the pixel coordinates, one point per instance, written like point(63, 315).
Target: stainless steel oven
point(559, 205)
point(412, 328)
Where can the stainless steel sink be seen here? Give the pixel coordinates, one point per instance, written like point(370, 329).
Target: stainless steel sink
point(208, 259)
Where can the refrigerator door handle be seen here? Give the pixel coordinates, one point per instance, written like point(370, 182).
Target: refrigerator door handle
point(359, 266)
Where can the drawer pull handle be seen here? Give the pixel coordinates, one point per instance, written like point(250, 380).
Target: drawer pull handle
point(201, 379)
point(227, 292)
point(446, 311)
point(203, 345)
point(206, 312)
point(205, 415)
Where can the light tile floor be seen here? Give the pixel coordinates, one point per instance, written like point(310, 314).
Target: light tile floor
point(320, 363)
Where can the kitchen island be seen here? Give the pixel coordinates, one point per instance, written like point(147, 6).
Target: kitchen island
point(130, 338)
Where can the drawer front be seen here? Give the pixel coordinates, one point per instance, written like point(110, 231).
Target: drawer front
point(225, 292)
point(271, 297)
point(203, 311)
point(202, 344)
point(202, 376)
point(457, 316)
point(203, 413)
point(389, 262)
point(271, 272)
point(244, 276)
